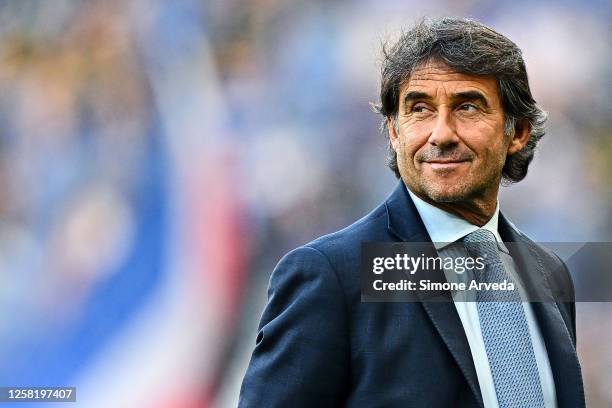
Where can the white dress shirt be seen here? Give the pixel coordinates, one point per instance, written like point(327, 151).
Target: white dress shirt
point(444, 229)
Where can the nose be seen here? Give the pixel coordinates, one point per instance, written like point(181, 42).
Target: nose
point(444, 132)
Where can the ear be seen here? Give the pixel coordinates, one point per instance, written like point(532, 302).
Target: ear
point(393, 136)
point(522, 131)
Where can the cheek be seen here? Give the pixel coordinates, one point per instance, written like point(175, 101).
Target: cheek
point(491, 162)
point(488, 143)
point(413, 138)
point(418, 132)
point(407, 149)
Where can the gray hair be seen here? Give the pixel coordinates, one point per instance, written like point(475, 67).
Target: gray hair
point(469, 47)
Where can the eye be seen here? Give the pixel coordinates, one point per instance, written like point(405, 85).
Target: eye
point(468, 107)
point(419, 108)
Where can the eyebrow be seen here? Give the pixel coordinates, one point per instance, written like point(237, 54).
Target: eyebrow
point(416, 95)
point(471, 96)
point(475, 96)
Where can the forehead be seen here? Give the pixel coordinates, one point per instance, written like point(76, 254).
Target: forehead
point(435, 78)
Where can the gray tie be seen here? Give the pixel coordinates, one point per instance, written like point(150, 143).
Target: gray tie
point(504, 330)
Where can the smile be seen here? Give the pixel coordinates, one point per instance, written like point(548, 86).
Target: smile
point(445, 164)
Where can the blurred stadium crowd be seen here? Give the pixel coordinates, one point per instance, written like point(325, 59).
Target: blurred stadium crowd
point(158, 158)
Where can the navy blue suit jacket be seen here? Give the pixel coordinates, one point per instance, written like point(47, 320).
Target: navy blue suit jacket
point(319, 346)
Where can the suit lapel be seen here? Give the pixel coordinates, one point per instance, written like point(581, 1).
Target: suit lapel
point(559, 346)
point(405, 223)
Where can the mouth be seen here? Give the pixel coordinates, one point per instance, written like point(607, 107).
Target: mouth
point(445, 165)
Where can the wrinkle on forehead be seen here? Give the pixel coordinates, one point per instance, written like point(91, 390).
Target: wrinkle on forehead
point(448, 78)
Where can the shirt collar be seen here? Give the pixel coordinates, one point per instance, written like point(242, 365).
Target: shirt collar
point(445, 228)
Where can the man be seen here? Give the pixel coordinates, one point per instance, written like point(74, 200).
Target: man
point(460, 117)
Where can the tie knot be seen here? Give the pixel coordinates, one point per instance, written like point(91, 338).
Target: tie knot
point(482, 243)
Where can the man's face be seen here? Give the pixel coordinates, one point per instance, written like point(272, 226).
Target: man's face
point(450, 145)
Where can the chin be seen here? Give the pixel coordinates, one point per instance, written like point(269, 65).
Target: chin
point(445, 197)
point(445, 187)
point(447, 192)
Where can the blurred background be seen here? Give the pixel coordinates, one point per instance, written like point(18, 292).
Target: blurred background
point(157, 158)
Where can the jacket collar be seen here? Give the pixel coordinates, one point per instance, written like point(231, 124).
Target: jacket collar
point(403, 218)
